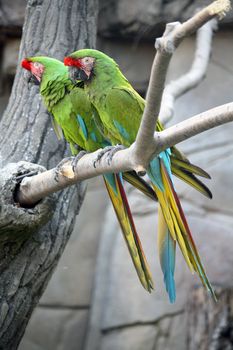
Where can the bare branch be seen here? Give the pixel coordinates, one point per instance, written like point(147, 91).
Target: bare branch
point(173, 35)
point(194, 126)
point(32, 189)
point(194, 76)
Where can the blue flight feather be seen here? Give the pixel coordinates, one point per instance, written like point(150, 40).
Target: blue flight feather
point(155, 173)
point(167, 258)
point(165, 156)
point(93, 136)
point(83, 126)
point(121, 129)
point(154, 168)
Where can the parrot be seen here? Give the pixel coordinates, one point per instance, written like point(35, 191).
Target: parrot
point(74, 116)
point(120, 109)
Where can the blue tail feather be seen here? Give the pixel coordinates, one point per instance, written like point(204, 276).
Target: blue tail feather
point(154, 169)
point(168, 265)
point(168, 246)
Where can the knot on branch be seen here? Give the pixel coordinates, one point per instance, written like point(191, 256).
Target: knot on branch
point(17, 222)
point(166, 43)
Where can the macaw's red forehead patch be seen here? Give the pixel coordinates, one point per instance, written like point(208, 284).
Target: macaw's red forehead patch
point(70, 61)
point(26, 64)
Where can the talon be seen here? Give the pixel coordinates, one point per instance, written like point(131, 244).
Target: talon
point(101, 154)
point(76, 159)
point(113, 151)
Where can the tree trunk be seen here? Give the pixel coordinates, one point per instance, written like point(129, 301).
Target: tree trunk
point(28, 256)
point(210, 324)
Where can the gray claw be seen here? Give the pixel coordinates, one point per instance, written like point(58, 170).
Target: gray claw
point(76, 159)
point(100, 154)
point(113, 151)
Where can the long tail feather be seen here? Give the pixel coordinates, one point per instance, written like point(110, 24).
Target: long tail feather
point(140, 184)
point(167, 251)
point(185, 164)
point(177, 224)
point(120, 203)
point(191, 180)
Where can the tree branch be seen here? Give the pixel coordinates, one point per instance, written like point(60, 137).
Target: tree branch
point(194, 126)
point(147, 143)
point(173, 36)
point(194, 76)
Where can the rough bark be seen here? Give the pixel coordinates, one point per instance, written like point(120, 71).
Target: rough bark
point(27, 261)
point(210, 325)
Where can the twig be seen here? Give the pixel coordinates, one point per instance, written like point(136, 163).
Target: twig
point(194, 76)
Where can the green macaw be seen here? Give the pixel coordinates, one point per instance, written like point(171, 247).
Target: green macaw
point(74, 115)
point(120, 109)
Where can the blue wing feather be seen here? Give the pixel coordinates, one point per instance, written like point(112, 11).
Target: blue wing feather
point(83, 126)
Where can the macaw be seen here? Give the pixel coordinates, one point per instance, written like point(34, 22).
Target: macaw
point(74, 115)
point(120, 109)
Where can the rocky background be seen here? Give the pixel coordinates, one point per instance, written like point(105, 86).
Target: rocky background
point(94, 300)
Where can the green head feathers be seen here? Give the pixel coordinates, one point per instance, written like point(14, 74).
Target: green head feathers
point(45, 68)
point(97, 55)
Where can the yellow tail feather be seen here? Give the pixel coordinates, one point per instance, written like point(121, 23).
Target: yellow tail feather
point(191, 180)
point(178, 227)
point(125, 219)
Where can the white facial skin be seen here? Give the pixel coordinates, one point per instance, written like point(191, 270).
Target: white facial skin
point(87, 64)
point(37, 69)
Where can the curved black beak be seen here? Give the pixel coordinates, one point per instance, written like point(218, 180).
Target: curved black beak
point(77, 74)
point(29, 78)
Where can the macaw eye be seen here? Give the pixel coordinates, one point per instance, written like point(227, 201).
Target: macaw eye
point(36, 64)
point(86, 60)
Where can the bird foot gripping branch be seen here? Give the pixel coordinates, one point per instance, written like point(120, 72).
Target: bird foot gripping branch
point(110, 151)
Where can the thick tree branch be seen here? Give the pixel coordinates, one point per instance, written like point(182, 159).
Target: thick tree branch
point(147, 142)
point(194, 76)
